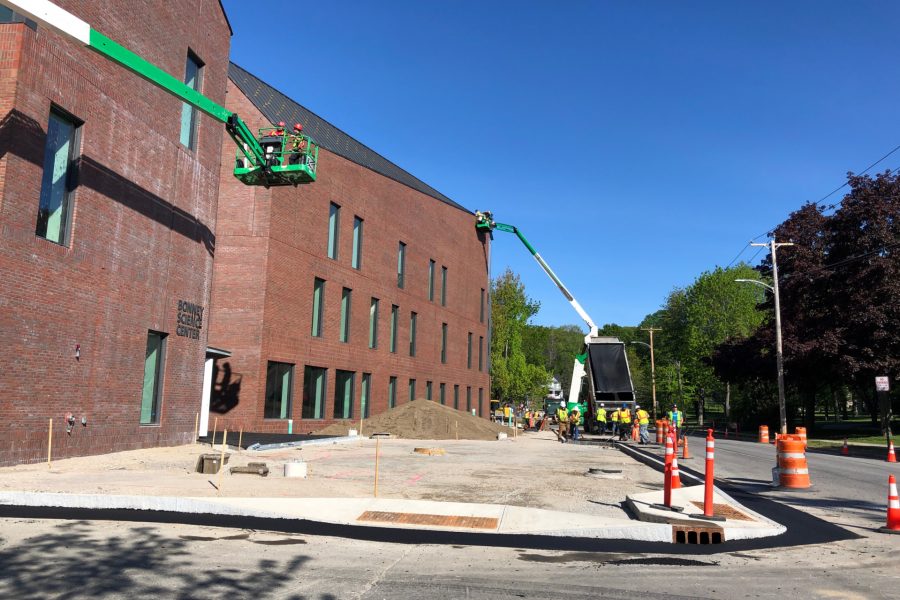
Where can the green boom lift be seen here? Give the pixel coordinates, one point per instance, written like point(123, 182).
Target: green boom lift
point(276, 157)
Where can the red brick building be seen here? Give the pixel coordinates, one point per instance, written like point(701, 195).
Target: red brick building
point(363, 290)
point(108, 191)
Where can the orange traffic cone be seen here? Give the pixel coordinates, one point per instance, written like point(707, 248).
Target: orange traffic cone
point(676, 478)
point(846, 449)
point(892, 457)
point(893, 512)
point(685, 453)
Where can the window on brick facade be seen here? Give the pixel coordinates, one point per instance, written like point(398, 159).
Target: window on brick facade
point(314, 380)
point(401, 264)
point(346, 296)
point(469, 351)
point(343, 394)
point(154, 367)
point(364, 395)
point(443, 286)
point(373, 323)
point(193, 76)
point(481, 312)
point(469, 399)
point(395, 323)
point(413, 319)
point(318, 312)
point(59, 178)
point(279, 387)
point(443, 393)
point(428, 390)
point(480, 402)
point(412, 390)
point(481, 353)
point(456, 397)
point(443, 343)
point(356, 259)
point(392, 392)
point(334, 226)
point(430, 280)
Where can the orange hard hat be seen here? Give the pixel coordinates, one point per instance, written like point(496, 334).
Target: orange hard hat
point(298, 126)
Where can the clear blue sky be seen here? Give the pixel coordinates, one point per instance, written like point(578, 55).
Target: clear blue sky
point(635, 143)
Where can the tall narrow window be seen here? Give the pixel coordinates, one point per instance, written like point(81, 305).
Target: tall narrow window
point(481, 318)
point(364, 395)
point(469, 352)
point(318, 307)
point(58, 181)
point(356, 259)
point(431, 280)
point(428, 390)
point(456, 397)
point(373, 323)
point(444, 343)
point(193, 72)
point(480, 402)
point(481, 353)
point(343, 394)
point(401, 264)
point(346, 294)
point(395, 323)
point(413, 318)
point(154, 363)
point(392, 392)
point(469, 399)
point(443, 286)
point(314, 392)
point(443, 393)
point(279, 384)
point(412, 390)
point(334, 226)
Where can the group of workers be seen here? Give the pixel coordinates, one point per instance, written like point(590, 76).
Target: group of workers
point(621, 421)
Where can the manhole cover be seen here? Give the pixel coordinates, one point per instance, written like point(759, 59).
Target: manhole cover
point(378, 516)
point(724, 510)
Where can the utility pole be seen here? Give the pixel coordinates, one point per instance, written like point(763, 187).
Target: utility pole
point(652, 366)
point(779, 358)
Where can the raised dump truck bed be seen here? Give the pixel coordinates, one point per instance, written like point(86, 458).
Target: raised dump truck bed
point(609, 372)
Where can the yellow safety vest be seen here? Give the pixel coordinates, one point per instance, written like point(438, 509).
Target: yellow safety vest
point(625, 416)
point(643, 417)
point(562, 415)
point(614, 415)
point(601, 415)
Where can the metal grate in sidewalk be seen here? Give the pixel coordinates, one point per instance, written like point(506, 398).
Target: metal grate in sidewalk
point(378, 516)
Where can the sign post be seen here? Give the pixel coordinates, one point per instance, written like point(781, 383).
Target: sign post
point(883, 388)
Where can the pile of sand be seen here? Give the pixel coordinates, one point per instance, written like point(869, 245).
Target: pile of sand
point(423, 420)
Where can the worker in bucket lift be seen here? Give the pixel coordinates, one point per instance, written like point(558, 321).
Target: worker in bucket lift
point(643, 419)
point(601, 419)
point(297, 145)
point(562, 417)
point(624, 422)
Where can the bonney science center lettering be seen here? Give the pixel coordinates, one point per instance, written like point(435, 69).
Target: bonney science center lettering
point(190, 320)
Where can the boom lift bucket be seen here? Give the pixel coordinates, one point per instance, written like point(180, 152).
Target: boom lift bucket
point(288, 159)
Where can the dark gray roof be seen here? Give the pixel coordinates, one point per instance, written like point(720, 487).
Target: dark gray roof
point(277, 107)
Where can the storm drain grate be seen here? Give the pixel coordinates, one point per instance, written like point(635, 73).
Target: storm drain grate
point(724, 510)
point(697, 535)
point(378, 516)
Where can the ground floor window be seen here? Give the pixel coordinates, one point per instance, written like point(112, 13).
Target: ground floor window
point(412, 390)
point(279, 383)
point(468, 399)
point(343, 394)
point(480, 402)
point(364, 395)
point(154, 365)
point(456, 397)
point(314, 392)
point(392, 392)
point(443, 393)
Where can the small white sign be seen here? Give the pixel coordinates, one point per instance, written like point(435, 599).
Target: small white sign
point(882, 385)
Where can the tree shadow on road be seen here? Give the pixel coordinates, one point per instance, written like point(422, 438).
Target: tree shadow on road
point(78, 560)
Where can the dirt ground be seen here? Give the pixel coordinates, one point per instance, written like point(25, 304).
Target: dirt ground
point(532, 470)
point(423, 420)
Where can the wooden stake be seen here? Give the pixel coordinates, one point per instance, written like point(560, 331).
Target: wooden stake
point(457, 431)
point(196, 428)
point(49, 442)
point(240, 437)
point(377, 444)
point(212, 441)
point(222, 463)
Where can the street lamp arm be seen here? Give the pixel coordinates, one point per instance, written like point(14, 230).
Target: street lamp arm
point(757, 282)
point(642, 343)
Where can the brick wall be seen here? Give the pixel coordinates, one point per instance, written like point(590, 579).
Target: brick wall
point(141, 237)
point(271, 244)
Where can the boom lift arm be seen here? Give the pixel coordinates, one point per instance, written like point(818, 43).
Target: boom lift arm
point(259, 165)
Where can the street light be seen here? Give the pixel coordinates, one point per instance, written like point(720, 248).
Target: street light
point(652, 374)
point(779, 360)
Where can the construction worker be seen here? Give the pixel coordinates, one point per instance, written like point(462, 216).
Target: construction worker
point(601, 419)
point(614, 417)
point(624, 422)
point(562, 417)
point(507, 415)
point(676, 417)
point(643, 419)
point(574, 420)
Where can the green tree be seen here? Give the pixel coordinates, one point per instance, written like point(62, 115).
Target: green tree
point(512, 377)
point(554, 349)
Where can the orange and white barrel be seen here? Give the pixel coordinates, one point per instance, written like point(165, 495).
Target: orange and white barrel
point(801, 432)
point(793, 471)
point(763, 434)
